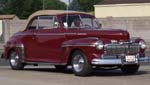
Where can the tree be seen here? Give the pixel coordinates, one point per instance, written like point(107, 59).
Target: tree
point(13, 6)
point(75, 6)
point(55, 4)
point(30, 6)
point(2, 4)
point(84, 5)
point(24, 8)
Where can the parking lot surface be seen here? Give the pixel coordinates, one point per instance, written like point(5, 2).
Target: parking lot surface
point(47, 75)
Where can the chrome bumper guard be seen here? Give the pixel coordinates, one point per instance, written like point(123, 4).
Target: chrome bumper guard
point(119, 61)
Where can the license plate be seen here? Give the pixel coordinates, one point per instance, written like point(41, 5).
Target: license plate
point(130, 58)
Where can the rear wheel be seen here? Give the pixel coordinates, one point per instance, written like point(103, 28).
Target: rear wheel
point(130, 69)
point(80, 65)
point(15, 61)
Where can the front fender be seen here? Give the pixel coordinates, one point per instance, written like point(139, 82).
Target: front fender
point(86, 45)
point(137, 40)
point(14, 43)
point(90, 41)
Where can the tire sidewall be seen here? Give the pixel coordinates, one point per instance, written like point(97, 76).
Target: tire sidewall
point(19, 65)
point(130, 69)
point(86, 67)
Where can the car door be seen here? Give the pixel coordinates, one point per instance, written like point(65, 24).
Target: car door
point(49, 38)
point(70, 25)
point(29, 40)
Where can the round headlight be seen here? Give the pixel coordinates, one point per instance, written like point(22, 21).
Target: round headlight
point(99, 45)
point(142, 44)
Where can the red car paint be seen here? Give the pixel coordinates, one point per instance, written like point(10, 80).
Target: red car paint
point(56, 45)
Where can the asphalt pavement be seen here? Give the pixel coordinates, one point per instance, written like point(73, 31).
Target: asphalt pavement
point(48, 75)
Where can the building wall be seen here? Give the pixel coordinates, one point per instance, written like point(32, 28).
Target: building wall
point(122, 10)
point(13, 26)
point(136, 26)
point(17, 26)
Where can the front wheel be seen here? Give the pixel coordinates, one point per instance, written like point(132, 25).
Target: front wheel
point(15, 61)
point(80, 65)
point(130, 69)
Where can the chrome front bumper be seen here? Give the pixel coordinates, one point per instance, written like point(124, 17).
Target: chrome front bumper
point(119, 61)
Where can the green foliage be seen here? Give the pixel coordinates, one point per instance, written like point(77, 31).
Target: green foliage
point(54, 4)
point(24, 8)
point(29, 7)
point(2, 4)
point(21, 8)
point(88, 5)
point(75, 6)
point(85, 5)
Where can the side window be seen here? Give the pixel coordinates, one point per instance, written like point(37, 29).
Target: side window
point(33, 24)
point(43, 22)
point(71, 21)
point(47, 22)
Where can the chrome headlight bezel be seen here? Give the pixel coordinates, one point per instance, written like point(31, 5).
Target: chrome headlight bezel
point(142, 44)
point(99, 45)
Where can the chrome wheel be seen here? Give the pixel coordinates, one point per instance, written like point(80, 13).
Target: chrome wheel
point(78, 63)
point(14, 60)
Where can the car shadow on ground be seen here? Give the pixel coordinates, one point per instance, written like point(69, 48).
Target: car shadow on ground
point(104, 73)
point(98, 72)
point(48, 70)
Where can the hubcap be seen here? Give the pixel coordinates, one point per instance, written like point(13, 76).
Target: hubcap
point(78, 63)
point(14, 59)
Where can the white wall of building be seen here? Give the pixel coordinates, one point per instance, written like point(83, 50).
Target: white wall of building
point(122, 10)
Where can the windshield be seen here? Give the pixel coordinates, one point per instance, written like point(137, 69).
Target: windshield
point(80, 21)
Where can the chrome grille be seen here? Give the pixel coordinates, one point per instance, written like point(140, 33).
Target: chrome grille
point(118, 49)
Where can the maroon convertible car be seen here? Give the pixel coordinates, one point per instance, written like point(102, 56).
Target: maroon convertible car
point(63, 38)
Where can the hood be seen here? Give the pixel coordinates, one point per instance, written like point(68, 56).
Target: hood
point(112, 34)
